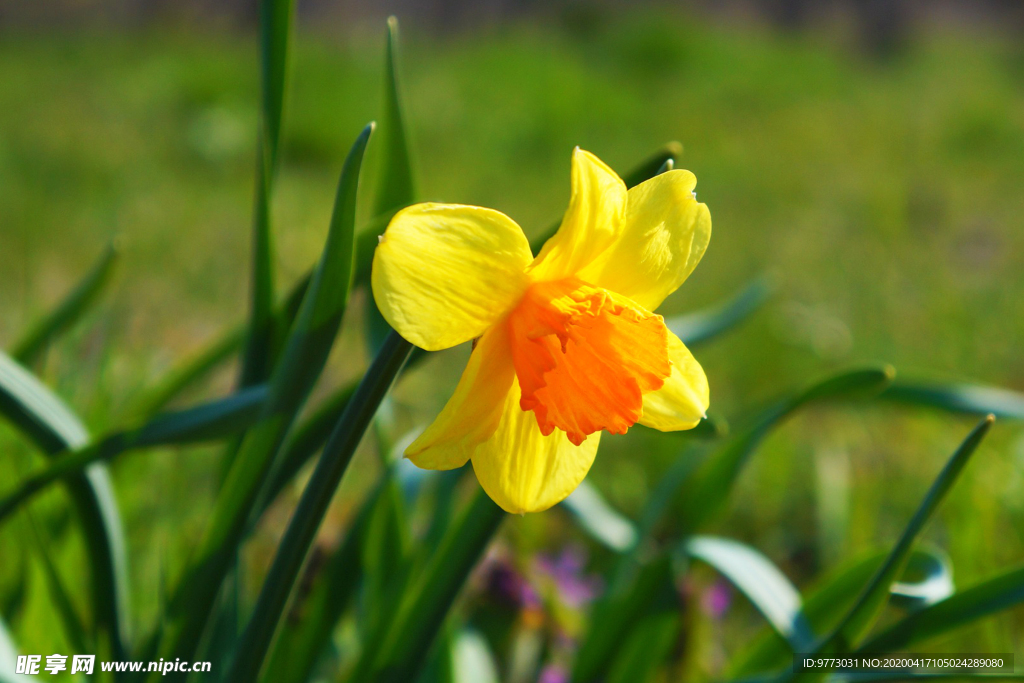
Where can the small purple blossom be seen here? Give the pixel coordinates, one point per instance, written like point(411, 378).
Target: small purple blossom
point(553, 673)
point(717, 599)
point(566, 571)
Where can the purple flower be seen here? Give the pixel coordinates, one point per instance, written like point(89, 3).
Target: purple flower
point(553, 673)
point(717, 599)
point(566, 571)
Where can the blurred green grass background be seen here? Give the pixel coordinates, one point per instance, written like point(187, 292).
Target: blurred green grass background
point(884, 197)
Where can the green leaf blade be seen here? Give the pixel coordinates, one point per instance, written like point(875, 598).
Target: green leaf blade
point(69, 311)
point(701, 326)
point(977, 602)
point(863, 614)
point(304, 357)
point(39, 414)
point(760, 581)
point(312, 507)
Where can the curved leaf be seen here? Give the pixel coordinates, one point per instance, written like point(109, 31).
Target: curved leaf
point(214, 420)
point(702, 479)
point(756, 577)
point(49, 423)
point(822, 607)
point(472, 659)
point(599, 519)
point(927, 579)
point(700, 326)
point(977, 602)
point(959, 398)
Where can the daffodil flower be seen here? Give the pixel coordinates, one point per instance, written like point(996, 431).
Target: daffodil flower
point(566, 344)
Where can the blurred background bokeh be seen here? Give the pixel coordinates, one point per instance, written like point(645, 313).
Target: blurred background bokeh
point(867, 156)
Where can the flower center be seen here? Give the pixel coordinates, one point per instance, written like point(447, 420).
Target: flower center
point(584, 359)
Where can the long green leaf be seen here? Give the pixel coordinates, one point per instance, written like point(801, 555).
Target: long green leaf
point(760, 581)
point(210, 421)
point(74, 630)
point(385, 556)
point(316, 499)
point(412, 629)
point(297, 649)
point(69, 311)
point(712, 482)
point(959, 398)
point(700, 326)
point(871, 601)
point(276, 18)
point(41, 416)
point(396, 186)
point(302, 361)
point(977, 602)
point(305, 441)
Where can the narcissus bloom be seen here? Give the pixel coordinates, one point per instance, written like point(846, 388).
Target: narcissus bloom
point(566, 344)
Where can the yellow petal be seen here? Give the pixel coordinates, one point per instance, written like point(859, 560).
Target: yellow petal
point(661, 241)
point(524, 471)
point(474, 410)
point(590, 225)
point(683, 400)
point(444, 273)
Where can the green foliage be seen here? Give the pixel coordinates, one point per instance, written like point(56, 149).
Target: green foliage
point(38, 338)
point(45, 420)
point(760, 581)
point(865, 611)
point(389, 599)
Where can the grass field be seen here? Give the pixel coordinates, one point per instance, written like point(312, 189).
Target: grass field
point(884, 200)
